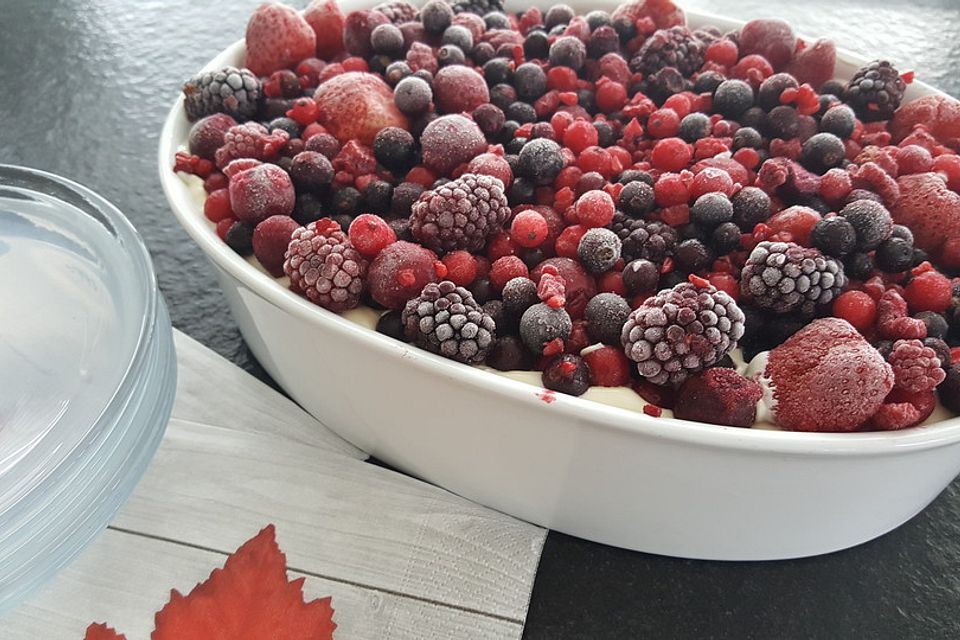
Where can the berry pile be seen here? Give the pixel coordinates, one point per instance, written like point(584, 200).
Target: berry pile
point(611, 199)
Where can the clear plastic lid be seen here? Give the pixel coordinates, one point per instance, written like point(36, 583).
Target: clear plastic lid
point(87, 371)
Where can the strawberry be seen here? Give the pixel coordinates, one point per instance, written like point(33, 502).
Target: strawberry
point(939, 114)
point(277, 38)
point(814, 64)
point(929, 208)
point(356, 105)
point(326, 19)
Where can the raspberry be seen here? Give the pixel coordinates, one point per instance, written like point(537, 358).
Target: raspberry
point(718, 396)
point(580, 285)
point(460, 214)
point(529, 229)
point(399, 272)
point(681, 331)
point(902, 410)
point(916, 368)
point(323, 265)
point(277, 37)
point(595, 209)
point(930, 291)
point(370, 234)
point(250, 140)
point(857, 308)
point(671, 154)
point(461, 267)
point(261, 192)
point(271, 238)
point(892, 318)
point(445, 319)
point(505, 269)
point(813, 373)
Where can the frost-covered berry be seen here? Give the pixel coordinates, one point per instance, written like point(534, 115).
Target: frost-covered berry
point(599, 250)
point(445, 319)
point(323, 265)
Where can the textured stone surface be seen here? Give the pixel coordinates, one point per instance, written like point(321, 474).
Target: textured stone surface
point(85, 89)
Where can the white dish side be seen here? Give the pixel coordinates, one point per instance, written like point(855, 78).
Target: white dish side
point(606, 474)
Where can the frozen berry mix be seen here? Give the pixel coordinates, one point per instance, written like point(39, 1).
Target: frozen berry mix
point(702, 224)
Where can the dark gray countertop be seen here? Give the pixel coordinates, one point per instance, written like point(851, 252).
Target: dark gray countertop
point(84, 87)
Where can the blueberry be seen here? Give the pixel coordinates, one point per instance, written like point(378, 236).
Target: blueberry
point(858, 265)
point(412, 95)
point(436, 16)
point(377, 196)
point(540, 160)
point(404, 195)
point(496, 20)
point(606, 135)
point(694, 126)
point(289, 125)
point(391, 325)
point(839, 121)
point(693, 255)
point(707, 82)
point(782, 122)
point(450, 54)
point(751, 206)
point(630, 175)
point(732, 98)
point(872, 222)
point(387, 39)
point(636, 198)
point(522, 112)
point(482, 53)
point(503, 95)
point(568, 51)
point(821, 152)
point(240, 237)
point(497, 71)
point(768, 96)
point(894, 255)
point(605, 315)
point(509, 354)
point(536, 46)
point(394, 148)
point(558, 377)
point(397, 71)
point(530, 81)
point(558, 14)
point(725, 238)
point(834, 236)
point(936, 324)
point(597, 18)
point(522, 191)
point(308, 208)
point(711, 209)
point(640, 276)
point(599, 250)
point(345, 202)
point(459, 36)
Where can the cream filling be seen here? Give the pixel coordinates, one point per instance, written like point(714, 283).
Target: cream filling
point(621, 397)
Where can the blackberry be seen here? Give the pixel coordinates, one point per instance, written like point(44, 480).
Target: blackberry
point(663, 84)
point(436, 16)
point(875, 91)
point(732, 98)
point(324, 266)
point(541, 324)
point(605, 315)
point(460, 214)
point(870, 220)
point(636, 198)
point(785, 277)
point(398, 11)
point(894, 255)
point(822, 151)
point(239, 237)
point(681, 331)
point(599, 250)
point(479, 7)
point(509, 354)
point(530, 81)
point(233, 91)
point(650, 240)
point(567, 374)
point(674, 47)
point(902, 232)
point(834, 236)
point(839, 121)
point(640, 276)
point(540, 160)
point(711, 209)
point(751, 206)
point(391, 324)
point(694, 126)
point(568, 51)
point(446, 320)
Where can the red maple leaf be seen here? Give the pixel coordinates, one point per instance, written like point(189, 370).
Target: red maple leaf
point(101, 631)
point(248, 599)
